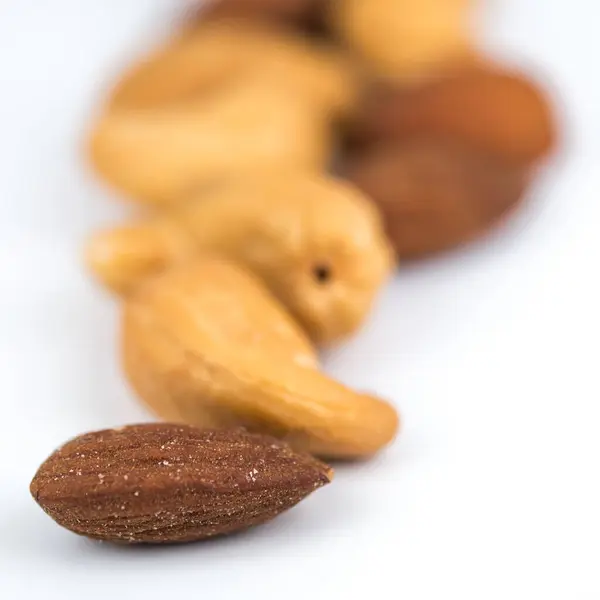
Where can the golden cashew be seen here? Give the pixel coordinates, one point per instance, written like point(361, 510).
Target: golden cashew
point(220, 51)
point(159, 155)
point(206, 344)
point(317, 243)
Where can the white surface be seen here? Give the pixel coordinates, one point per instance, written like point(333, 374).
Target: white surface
point(492, 356)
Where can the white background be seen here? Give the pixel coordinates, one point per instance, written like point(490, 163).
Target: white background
point(492, 354)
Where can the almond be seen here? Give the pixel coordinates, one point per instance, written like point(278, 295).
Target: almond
point(495, 111)
point(162, 483)
point(437, 194)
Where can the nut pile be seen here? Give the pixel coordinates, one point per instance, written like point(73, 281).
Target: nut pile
point(285, 154)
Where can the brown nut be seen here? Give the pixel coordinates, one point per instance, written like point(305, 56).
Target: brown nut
point(317, 243)
point(220, 51)
point(404, 40)
point(497, 112)
point(162, 483)
point(198, 349)
point(155, 156)
point(435, 194)
point(288, 10)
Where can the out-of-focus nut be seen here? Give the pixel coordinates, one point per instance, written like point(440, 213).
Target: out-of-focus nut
point(156, 156)
point(404, 40)
point(436, 195)
point(498, 112)
point(289, 10)
point(202, 345)
point(216, 51)
point(317, 243)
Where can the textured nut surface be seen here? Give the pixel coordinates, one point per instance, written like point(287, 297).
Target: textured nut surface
point(497, 112)
point(158, 155)
point(198, 348)
point(317, 243)
point(435, 194)
point(219, 51)
point(404, 40)
point(162, 483)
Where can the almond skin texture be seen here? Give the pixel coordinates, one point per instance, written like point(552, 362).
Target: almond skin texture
point(496, 112)
point(436, 195)
point(162, 483)
point(207, 345)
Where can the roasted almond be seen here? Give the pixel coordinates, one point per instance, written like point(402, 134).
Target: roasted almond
point(437, 194)
point(495, 111)
point(161, 483)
